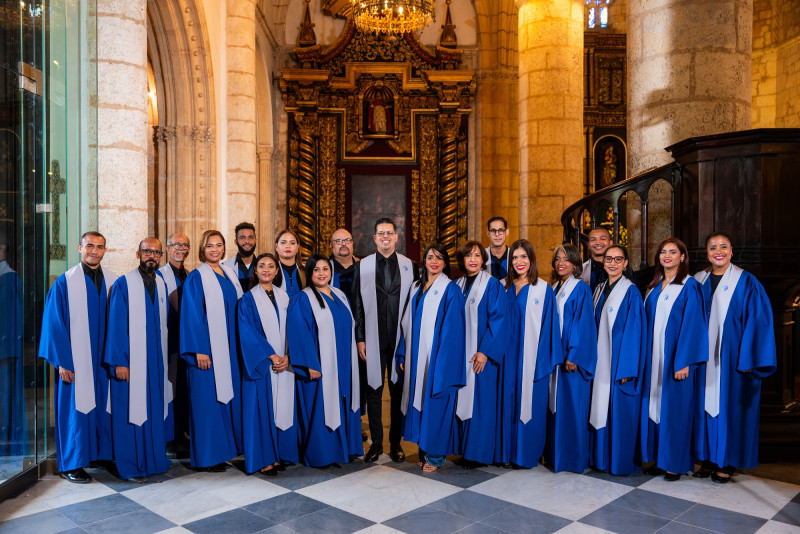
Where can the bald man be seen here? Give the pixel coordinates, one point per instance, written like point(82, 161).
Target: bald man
point(343, 261)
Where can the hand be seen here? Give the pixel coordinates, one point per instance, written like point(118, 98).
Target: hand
point(569, 366)
point(279, 364)
point(67, 376)
point(747, 371)
point(401, 367)
point(362, 350)
point(122, 373)
point(683, 373)
point(313, 375)
point(478, 362)
point(203, 362)
point(625, 380)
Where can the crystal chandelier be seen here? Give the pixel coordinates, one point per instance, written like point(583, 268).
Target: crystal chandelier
point(392, 16)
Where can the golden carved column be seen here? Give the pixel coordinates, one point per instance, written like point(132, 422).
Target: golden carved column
point(308, 128)
point(449, 126)
point(550, 116)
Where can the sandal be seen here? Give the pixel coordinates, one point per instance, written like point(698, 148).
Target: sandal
point(429, 468)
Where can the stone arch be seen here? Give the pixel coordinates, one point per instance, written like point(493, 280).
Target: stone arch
point(184, 137)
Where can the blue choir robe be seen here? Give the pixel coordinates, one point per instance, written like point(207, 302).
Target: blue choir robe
point(291, 284)
point(748, 344)
point(321, 446)
point(260, 434)
point(177, 422)
point(668, 442)
point(481, 435)
point(527, 440)
point(138, 450)
point(215, 428)
point(434, 428)
point(613, 447)
point(13, 423)
point(567, 447)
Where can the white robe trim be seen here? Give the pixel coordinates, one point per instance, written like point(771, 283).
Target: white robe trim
point(5, 268)
point(326, 331)
point(534, 310)
point(666, 299)
point(232, 264)
point(601, 385)
point(137, 345)
point(369, 298)
point(274, 325)
point(466, 395)
point(79, 337)
point(488, 266)
point(218, 328)
point(430, 312)
point(586, 274)
point(561, 299)
point(716, 324)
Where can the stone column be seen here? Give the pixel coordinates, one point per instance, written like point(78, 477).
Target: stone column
point(122, 133)
point(689, 65)
point(242, 176)
point(266, 203)
point(550, 117)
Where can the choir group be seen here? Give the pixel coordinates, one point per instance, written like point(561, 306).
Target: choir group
point(276, 359)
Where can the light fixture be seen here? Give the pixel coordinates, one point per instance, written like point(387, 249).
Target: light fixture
point(392, 16)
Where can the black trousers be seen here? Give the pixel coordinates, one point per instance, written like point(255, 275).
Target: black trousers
point(375, 405)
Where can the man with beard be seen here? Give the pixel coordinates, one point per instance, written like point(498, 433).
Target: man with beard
point(242, 263)
point(594, 272)
point(72, 340)
point(174, 274)
point(136, 353)
point(343, 261)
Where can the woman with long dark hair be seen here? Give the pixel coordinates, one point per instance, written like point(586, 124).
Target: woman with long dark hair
point(486, 311)
point(533, 352)
point(617, 383)
point(677, 343)
point(570, 384)
point(431, 356)
point(290, 276)
point(324, 358)
point(268, 389)
point(208, 345)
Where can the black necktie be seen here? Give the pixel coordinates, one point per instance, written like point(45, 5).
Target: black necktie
point(387, 275)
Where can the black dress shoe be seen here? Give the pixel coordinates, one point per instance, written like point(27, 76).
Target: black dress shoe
point(78, 476)
point(654, 471)
point(137, 480)
point(396, 454)
point(702, 473)
point(272, 472)
point(373, 453)
point(672, 477)
point(720, 480)
point(363, 436)
point(219, 468)
point(280, 467)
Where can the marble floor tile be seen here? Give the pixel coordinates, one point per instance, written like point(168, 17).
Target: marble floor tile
point(330, 521)
point(138, 522)
point(285, 507)
point(378, 529)
point(721, 520)
point(687, 488)
point(521, 520)
point(379, 493)
point(776, 527)
point(565, 495)
point(426, 519)
point(202, 495)
point(471, 505)
point(98, 509)
point(480, 528)
point(51, 492)
point(789, 514)
point(676, 527)
point(751, 495)
point(635, 479)
point(651, 503)
point(580, 528)
point(47, 522)
point(624, 520)
point(238, 521)
point(299, 476)
point(450, 473)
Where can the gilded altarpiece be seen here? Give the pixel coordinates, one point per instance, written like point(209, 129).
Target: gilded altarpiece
point(370, 104)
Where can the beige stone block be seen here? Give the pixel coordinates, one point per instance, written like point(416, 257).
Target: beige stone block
point(531, 60)
point(546, 157)
point(723, 75)
point(241, 183)
point(241, 107)
point(560, 132)
point(132, 9)
point(241, 32)
point(121, 39)
point(549, 82)
point(241, 61)
point(121, 85)
point(241, 207)
point(242, 130)
point(242, 157)
point(658, 79)
point(241, 8)
point(563, 183)
point(124, 128)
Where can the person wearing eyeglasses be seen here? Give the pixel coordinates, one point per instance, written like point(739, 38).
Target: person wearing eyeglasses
point(174, 274)
point(208, 344)
point(617, 384)
point(498, 250)
point(343, 261)
point(136, 354)
point(72, 341)
point(381, 284)
point(677, 343)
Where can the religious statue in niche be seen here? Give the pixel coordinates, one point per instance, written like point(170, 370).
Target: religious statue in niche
point(609, 161)
point(377, 112)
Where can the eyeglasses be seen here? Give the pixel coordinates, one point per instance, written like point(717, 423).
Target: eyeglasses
point(497, 231)
point(149, 252)
point(614, 259)
point(179, 245)
point(384, 234)
point(345, 241)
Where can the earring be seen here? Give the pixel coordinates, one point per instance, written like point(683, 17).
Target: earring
point(681, 261)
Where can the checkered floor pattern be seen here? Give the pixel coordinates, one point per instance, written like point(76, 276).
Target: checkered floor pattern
point(386, 497)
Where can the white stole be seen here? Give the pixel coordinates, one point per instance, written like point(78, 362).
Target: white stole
point(326, 339)
point(716, 324)
point(430, 312)
point(218, 328)
point(666, 299)
point(466, 395)
point(586, 273)
point(369, 298)
point(80, 339)
point(488, 266)
point(601, 385)
point(534, 311)
point(233, 264)
point(137, 345)
point(274, 325)
point(169, 278)
point(561, 299)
